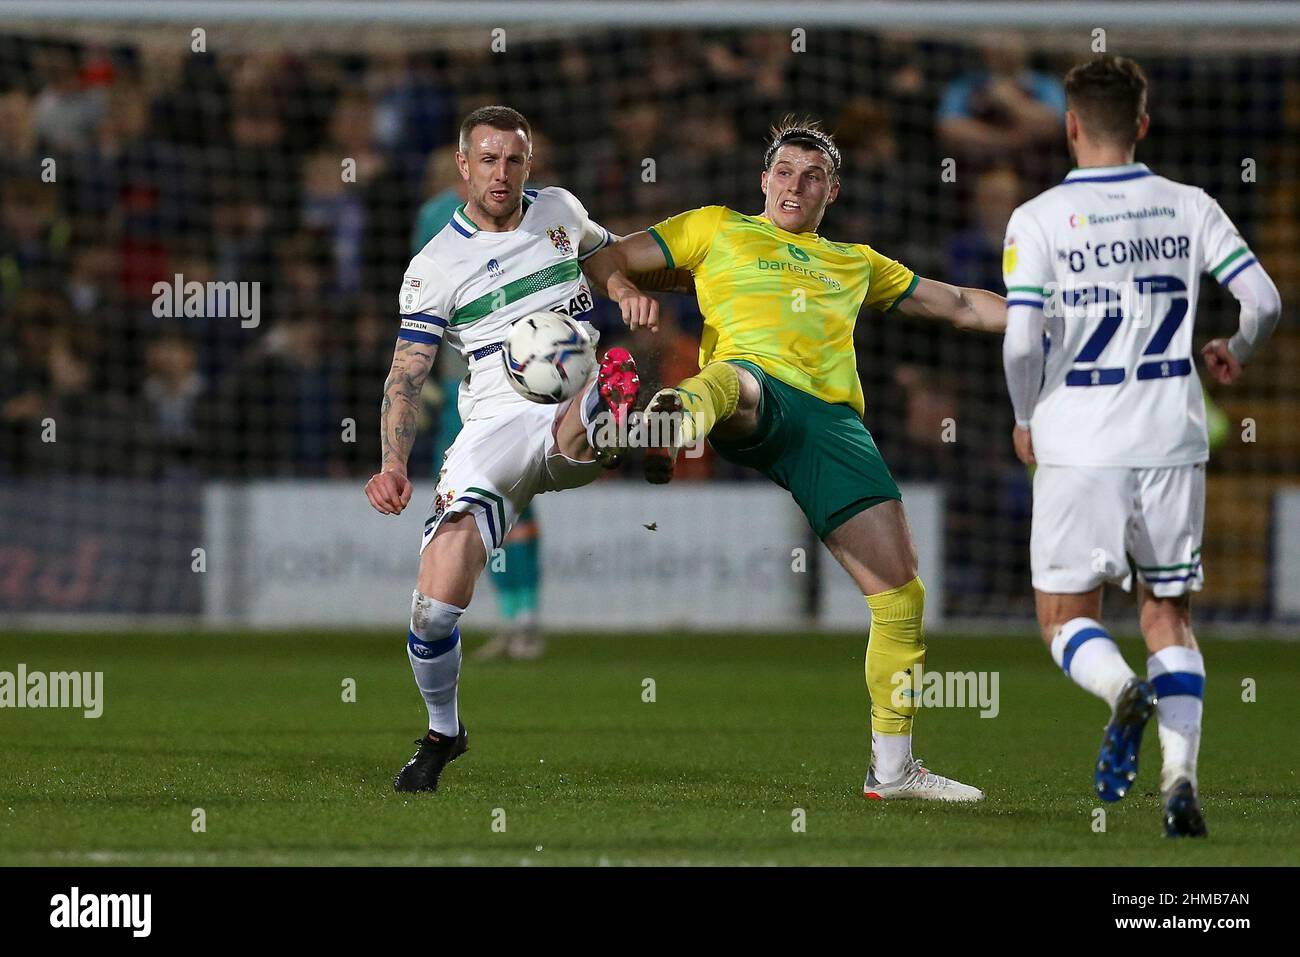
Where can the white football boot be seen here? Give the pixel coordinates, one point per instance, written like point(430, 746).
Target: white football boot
point(918, 784)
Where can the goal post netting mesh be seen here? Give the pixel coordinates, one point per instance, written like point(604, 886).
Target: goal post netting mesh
point(280, 165)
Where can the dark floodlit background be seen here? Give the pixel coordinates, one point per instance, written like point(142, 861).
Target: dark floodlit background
point(225, 165)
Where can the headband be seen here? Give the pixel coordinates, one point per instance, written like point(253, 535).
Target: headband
point(822, 141)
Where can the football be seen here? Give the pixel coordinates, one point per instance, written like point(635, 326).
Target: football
point(548, 357)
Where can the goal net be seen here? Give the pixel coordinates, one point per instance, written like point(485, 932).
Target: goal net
point(206, 210)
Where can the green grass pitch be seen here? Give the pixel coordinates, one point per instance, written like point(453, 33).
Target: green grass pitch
point(743, 731)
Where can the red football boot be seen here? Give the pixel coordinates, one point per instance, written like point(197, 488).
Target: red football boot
point(618, 385)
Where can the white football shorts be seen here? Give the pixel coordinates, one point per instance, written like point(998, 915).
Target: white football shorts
point(1095, 525)
point(496, 466)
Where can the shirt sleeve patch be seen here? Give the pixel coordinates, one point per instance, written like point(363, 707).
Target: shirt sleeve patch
point(426, 328)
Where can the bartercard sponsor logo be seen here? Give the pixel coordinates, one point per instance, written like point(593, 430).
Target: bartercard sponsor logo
point(779, 266)
point(77, 910)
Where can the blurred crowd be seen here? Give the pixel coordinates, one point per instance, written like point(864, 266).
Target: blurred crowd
point(124, 166)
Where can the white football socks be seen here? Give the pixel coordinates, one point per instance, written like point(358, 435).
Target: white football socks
point(1088, 654)
point(433, 647)
point(1178, 674)
point(590, 409)
point(889, 755)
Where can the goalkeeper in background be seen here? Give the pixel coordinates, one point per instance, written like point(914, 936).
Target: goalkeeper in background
point(517, 577)
point(778, 391)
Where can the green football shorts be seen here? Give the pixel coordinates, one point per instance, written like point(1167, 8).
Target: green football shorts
point(820, 453)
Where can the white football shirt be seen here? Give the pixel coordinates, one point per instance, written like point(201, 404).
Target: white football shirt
point(1113, 256)
point(467, 286)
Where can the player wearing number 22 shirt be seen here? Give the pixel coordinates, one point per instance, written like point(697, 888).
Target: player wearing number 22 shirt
point(1102, 275)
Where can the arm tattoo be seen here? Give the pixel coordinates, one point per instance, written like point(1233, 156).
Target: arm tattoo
point(399, 412)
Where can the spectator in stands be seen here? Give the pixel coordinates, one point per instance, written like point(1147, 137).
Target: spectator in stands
point(241, 235)
point(191, 98)
point(66, 110)
point(259, 157)
point(575, 107)
point(219, 341)
point(95, 307)
point(1004, 113)
point(125, 161)
point(18, 153)
point(24, 344)
point(706, 171)
point(345, 185)
point(277, 411)
point(443, 191)
point(413, 111)
point(873, 202)
point(138, 187)
point(274, 414)
point(752, 73)
point(336, 212)
point(359, 361)
point(636, 185)
point(63, 414)
point(975, 253)
point(33, 237)
point(92, 281)
point(171, 392)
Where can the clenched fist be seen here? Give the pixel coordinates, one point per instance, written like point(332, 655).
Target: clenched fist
point(1024, 445)
point(1222, 365)
point(389, 491)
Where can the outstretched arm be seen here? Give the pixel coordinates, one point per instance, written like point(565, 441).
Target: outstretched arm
point(965, 308)
point(658, 280)
point(610, 269)
point(389, 490)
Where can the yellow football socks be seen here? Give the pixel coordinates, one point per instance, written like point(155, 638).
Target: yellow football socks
point(708, 397)
point(895, 647)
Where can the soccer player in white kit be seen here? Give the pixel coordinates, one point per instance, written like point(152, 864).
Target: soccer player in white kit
point(507, 252)
point(1102, 275)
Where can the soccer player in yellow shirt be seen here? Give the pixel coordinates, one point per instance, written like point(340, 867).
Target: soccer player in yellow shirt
point(778, 391)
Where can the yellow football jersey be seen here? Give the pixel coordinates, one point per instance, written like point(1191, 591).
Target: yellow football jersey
point(786, 302)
